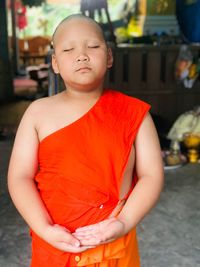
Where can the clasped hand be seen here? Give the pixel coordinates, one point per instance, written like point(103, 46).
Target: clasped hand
point(85, 237)
point(100, 233)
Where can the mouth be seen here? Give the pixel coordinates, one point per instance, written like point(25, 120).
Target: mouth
point(83, 69)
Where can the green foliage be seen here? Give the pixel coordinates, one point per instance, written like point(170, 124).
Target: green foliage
point(31, 3)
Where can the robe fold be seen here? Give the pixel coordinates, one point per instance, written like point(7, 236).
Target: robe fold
point(80, 174)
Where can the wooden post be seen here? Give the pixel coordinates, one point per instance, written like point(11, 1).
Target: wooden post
point(6, 87)
point(15, 45)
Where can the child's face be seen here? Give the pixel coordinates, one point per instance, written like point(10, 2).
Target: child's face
point(81, 55)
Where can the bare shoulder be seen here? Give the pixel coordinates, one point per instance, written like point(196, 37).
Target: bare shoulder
point(43, 114)
point(43, 104)
point(41, 107)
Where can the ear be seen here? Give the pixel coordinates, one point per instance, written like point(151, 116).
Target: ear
point(54, 64)
point(109, 58)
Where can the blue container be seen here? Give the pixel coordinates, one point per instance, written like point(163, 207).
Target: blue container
point(188, 16)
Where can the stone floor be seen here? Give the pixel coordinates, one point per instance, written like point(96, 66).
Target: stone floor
point(168, 237)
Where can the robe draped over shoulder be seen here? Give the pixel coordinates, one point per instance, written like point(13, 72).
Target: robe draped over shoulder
point(80, 173)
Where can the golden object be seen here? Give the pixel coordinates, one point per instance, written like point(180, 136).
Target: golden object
point(192, 142)
point(174, 156)
point(173, 159)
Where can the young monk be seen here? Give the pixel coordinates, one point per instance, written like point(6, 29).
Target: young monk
point(86, 165)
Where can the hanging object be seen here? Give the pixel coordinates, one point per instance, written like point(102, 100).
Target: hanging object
point(21, 17)
point(187, 67)
point(19, 10)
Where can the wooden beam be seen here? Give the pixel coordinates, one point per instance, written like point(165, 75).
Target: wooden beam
point(6, 87)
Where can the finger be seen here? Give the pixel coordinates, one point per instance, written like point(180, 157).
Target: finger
point(100, 227)
point(88, 237)
point(86, 228)
point(112, 232)
point(96, 230)
point(70, 239)
point(95, 226)
point(97, 240)
point(93, 241)
point(86, 232)
point(104, 236)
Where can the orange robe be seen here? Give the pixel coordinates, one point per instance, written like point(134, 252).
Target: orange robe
point(80, 173)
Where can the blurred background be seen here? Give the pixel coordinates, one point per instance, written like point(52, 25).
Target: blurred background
point(156, 48)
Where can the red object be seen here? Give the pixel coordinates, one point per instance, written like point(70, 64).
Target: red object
point(20, 10)
point(21, 17)
point(80, 172)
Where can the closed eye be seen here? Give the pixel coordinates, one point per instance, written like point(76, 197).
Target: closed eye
point(68, 49)
point(93, 46)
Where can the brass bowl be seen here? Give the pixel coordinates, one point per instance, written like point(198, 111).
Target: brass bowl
point(191, 140)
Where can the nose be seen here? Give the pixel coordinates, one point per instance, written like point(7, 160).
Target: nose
point(82, 57)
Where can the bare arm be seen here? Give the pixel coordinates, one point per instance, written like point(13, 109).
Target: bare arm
point(149, 168)
point(22, 169)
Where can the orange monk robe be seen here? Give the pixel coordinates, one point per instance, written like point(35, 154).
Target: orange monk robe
point(80, 173)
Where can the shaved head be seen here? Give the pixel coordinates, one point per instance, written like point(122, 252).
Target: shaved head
point(76, 17)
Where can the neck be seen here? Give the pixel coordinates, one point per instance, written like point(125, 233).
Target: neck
point(78, 94)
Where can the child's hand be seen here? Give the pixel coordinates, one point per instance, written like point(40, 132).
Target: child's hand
point(60, 238)
point(100, 233)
